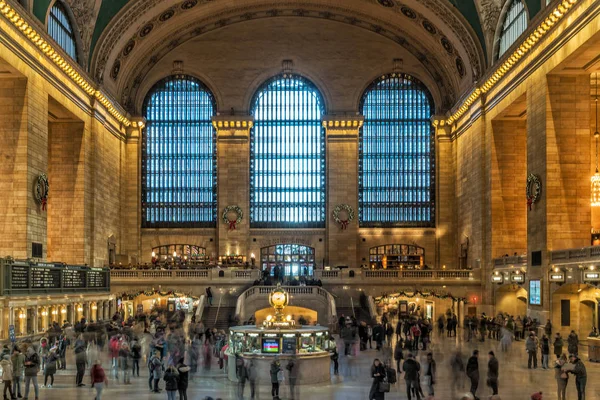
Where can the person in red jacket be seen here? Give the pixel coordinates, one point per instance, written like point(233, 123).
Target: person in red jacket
point(99, 379)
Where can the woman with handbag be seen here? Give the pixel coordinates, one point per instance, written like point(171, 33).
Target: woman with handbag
point(380, 385)
point(276, 376)
point(562, 378)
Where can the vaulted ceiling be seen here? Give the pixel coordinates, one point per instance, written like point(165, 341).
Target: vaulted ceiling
point(122, 40)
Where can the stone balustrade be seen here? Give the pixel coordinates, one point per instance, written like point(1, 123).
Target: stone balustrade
point(589, 254)
point(187, 275)
point(511, 261)
point(384, 277)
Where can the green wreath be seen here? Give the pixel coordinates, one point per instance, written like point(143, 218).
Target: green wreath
point(239, 215)
point(42, 187)
point(336, 215)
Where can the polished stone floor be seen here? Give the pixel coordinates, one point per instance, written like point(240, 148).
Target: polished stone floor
point(516, 381)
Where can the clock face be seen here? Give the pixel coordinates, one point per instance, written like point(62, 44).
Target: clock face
point(278, 298)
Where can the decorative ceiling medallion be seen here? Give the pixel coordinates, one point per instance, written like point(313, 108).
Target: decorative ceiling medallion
point(114, 72)
point(146, 30)
point(429, 27)
point(447, 45)
point(408, 12)
point(460, 67)
point(386, 3)
point(166, 15)
point(128, 47)
point(189, 4)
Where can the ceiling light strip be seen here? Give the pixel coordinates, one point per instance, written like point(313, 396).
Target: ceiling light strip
point(556, 15)
point(34, 37)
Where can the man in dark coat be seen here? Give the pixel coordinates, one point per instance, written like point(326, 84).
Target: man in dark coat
point(411, 370)
point(492, 375)
point(473, 372)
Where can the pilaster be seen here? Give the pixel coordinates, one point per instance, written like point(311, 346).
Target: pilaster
point(342, 187)
point(233, 166)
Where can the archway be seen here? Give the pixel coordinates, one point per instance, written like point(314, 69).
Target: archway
point(511, 299)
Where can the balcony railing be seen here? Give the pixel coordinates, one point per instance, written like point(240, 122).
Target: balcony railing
point(216, 274)
point(573, 256)
point(511, 261)
point(359, 276)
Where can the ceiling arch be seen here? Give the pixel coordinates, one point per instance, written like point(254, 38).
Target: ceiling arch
point(145, 31)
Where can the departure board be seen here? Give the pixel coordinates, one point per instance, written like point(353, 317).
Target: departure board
point(96, 278)
point(45, 278)
point(73, 278)
point(19, 275)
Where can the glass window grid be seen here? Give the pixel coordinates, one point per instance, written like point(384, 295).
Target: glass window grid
point(189, 250)
point(61, 29)
point(397, 154)
point(514, 25)
point(287, 155)
point(397, 254)
point(535, 292)
point(179, 187)
point(292, 257)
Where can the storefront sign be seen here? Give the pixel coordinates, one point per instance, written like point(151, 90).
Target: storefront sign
point(591, 276)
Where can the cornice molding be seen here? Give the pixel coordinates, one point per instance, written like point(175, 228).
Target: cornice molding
point(39, 39)
point(510, 60)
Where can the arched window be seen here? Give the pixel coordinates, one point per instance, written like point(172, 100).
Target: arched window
point(179, 155)
point(61, 29)
point(287, 155)
point(396, 154)
point(515, 23)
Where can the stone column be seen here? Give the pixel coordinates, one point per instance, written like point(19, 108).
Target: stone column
point(131, 216)
point(73, 313)
point(36, 311)
point(233, 158)
point(559, 153)
point(455, 308)
point(461, 313)
point(11, 316)
point(342, 189)
point(446, 246)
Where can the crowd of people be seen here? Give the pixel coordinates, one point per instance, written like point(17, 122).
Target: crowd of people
point(413, 334)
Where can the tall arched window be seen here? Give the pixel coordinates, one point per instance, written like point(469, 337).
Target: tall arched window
point(515, 23)
point(287, 155)
point(179, 155)
point(61, 29)
point(396, 154)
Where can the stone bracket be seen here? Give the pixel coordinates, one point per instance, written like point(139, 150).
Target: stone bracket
point(232, 127)
point(342, 128)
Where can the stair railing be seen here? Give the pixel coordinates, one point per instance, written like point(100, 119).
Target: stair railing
point(218, 309)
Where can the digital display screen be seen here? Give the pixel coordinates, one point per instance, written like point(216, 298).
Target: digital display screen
point(535, 292)
point(270, 346)
point(289, 345)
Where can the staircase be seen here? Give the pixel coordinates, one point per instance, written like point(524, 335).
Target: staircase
point(210, 313)
point(361, 314)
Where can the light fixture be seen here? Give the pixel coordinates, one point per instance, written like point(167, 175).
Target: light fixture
point(94, 307)
point(595, 181)
point(21, 315)
point(44, 313)
point(54, 312)
point(153, 254)
point(174, 254)
point(63, 311)
point(79, 309)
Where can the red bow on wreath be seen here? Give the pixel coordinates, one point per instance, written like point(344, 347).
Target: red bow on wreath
point(44, 202)
point(232, 224)
point(344, 223)
point(529, 202)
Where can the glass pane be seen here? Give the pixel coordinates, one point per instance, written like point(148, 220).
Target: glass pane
point(179, 155)
point(287, 155)
point(396, 154)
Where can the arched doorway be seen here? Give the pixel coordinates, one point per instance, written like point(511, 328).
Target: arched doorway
point(294, 259)
point(511, 299)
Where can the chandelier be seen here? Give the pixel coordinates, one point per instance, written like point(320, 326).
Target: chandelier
point(595, 181)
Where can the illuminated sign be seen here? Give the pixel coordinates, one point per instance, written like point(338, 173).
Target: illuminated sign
point(591, 276)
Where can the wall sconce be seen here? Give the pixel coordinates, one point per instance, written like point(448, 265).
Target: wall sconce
point(22, 315)
point(63, 311)
point(79, 309)
point(44, 313)
point(94, 307)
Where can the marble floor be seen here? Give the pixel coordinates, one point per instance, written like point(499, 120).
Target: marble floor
point(516, 381)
